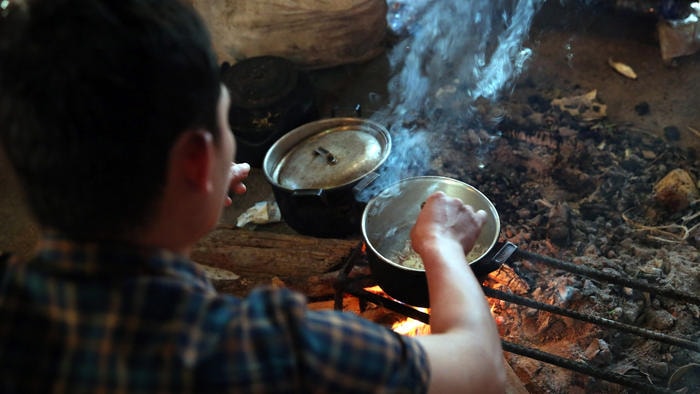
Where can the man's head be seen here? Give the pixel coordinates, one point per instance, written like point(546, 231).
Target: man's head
point(93, 95)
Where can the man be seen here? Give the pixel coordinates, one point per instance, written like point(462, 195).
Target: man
point(114, 119)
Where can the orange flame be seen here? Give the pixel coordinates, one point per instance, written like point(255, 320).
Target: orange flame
point(375, 290)
point(407, 326)
point(411, 327)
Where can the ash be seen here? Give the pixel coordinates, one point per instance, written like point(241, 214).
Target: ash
point(582, 191)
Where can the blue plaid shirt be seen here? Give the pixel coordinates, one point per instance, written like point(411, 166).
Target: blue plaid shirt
point(102, 318)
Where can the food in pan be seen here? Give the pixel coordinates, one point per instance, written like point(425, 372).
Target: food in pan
point(409, 258)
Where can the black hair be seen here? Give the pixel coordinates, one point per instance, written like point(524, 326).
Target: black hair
point(93, 93)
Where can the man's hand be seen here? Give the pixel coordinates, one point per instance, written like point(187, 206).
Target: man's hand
point(239, 172)
point(446, 219)
point(463, 336)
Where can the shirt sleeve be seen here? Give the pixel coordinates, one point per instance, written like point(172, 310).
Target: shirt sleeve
point(350, 354)
point(276, 344)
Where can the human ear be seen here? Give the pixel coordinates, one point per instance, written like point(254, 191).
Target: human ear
point(192, 158)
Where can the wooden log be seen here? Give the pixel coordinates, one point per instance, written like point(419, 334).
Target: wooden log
point(237, 260)
point(312, 33)
point(513, 383)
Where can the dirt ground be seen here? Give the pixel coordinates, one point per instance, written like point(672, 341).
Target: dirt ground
point(572, 45)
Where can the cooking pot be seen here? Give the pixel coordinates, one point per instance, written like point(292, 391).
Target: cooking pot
point(386, 224)
point(270, 96)
point(318, 170)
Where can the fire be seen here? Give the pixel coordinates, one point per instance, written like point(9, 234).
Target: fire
point(411, 327)
point(405, 326)
point(503, 277)
point(375, 290)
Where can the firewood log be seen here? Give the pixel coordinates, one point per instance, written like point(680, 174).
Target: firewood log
point(312, 33)
point(237, 260)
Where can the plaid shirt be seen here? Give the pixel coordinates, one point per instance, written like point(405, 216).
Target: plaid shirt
point(101, 318)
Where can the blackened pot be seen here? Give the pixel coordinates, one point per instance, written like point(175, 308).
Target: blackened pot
point(318, 169)
point(270, 96)
point(386, 224)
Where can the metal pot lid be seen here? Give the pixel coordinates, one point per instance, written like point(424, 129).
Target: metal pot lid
point(332, 153)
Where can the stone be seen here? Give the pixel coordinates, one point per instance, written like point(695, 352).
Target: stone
point(660, 319)
point(676, 190)
point(598, 352)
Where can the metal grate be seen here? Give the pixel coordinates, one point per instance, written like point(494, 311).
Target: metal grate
point(356, 286)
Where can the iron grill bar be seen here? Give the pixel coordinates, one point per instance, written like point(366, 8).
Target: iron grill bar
point(581, 367)
point(612, 278)
point(539, 355)
point(388, 303)
point(356, 287)
point(643, 332)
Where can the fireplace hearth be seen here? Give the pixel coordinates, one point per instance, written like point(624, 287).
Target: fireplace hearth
point(602, 295)
point(365, 290)
point(570, 156)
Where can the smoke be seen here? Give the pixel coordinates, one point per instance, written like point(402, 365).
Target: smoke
point(452, 53)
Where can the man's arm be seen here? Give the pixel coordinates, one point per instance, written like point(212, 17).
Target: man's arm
point(464, 348)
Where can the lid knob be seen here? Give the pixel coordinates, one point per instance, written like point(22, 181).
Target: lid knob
point(330, 158)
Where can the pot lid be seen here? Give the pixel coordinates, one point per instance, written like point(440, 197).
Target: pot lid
point(341, 152)
point(259, 82)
